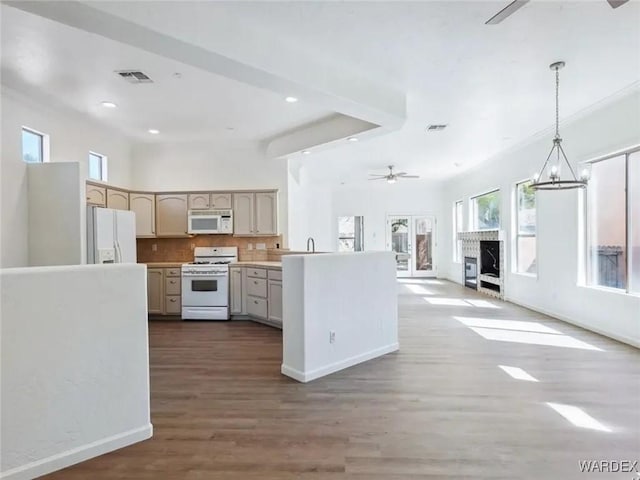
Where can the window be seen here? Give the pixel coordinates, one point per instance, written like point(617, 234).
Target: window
point(350, 234)
point(613, 222)
point(97, 166)
point(525, 228)
point(457, 228)
point(34, 146)
point(485, 211)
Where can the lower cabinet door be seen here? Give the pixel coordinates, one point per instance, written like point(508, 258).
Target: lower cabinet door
point(235, 291)
point(257, 307)
point(275, 302)
point(155, 290)
point(173, 305)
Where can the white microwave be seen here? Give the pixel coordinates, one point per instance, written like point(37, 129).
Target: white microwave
point(210, 221)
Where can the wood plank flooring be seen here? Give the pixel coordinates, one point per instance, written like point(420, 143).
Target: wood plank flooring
point(440, 408)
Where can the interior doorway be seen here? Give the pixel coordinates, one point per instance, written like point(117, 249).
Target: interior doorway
point(412, 237)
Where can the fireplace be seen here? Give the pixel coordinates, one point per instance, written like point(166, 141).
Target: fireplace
point(490, 258)
point(471, 272)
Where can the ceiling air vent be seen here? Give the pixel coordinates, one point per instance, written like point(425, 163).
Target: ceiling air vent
point(435, 128)
point(134, 76)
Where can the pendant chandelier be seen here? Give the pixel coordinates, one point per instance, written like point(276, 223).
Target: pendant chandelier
point(553, 164)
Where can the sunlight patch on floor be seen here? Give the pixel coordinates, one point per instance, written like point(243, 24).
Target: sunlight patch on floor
point(506, 324)
point(578, 417)
point(418, 289)
point(518, 373)
point(533, 338)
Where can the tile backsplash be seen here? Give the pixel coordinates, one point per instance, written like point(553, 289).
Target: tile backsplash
point(181, 249)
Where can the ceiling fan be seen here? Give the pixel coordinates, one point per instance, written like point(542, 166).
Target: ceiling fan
point(391, 177)
point(518, 4)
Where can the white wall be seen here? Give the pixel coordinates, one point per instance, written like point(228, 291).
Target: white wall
point(315, 210)
point(604, 128)
point(75, 365)
point(72, 136)
point(353, 295)
point(210, 166)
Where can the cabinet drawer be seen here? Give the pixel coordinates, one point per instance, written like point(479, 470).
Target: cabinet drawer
point(257, 307)
point(172, 286)
point(172, 305)
point(171, 272)
point(275, 274)
point(257, 287)
point(256, 272)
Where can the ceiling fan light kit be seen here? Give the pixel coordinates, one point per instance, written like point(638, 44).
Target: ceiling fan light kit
point(554, 162)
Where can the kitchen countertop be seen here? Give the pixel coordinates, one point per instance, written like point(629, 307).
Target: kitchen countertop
point(255, 263)
point(164, 264)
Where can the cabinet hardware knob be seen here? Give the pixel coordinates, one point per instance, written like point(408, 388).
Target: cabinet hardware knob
point(255, 301)
point(173, 300)
point(255, 282)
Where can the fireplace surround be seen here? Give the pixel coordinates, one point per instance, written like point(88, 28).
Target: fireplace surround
point(486, 249)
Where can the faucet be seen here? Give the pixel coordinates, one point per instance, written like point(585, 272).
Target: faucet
point(313, 244)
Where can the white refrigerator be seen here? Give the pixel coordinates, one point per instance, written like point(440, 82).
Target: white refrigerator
point(111, 236)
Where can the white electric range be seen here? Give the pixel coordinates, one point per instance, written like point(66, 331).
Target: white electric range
point(205, 283)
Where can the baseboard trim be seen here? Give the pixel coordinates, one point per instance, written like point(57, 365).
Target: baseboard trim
point(77, 455)
point(305, 377)
point(619, 338)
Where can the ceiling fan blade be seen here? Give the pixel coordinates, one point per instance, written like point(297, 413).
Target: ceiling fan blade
point(379, 178)
point(510, 9)
point(616, 3)
point(410, 176)
point(400, 174)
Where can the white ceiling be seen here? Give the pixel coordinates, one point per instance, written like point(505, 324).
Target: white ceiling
point(76, 69)
point(490, 84)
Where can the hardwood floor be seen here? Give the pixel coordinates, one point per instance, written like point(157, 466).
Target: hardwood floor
point(440, 408)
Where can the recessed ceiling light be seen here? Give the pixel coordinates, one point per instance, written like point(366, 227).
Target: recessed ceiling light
point(108, 104)
point(231, 128)
point(153, 131)
point(291, 99)
point(456, 164)
point(306, 152)
point(352, 139)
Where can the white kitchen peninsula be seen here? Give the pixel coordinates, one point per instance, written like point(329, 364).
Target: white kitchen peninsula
point(339, 309)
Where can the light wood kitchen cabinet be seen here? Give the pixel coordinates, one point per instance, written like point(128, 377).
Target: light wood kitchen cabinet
point(221, 200)
point(266, 213)
point(155, 291)
point(171, 215)
point(118, 199)
point(172, 305)
point(199, 201)
point(172, 285)
point(243, 212)
point(144, 206)
point(275, 302)
point(96, 195)
point(236, 291)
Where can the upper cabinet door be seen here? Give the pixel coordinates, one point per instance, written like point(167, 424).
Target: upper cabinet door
point(199, 201)
point(266, 221)
point(171, 215)
point(96, 195)
point(117, 199)
point(144, 206)
point(243, 213)
point(220, 200)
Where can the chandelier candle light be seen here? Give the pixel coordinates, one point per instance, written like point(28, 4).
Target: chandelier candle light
point(553, 163)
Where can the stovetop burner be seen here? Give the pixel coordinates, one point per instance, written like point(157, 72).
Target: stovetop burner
point(219, 262)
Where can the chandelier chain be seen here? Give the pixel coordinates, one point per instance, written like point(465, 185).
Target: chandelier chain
point(557, 102)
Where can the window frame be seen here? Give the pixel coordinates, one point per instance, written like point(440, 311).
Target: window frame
point(44, 143)
point(516, 229)
point(585, 272)
point(457, 244)
point(358, 233)
point(473, 216)
point(103, 166)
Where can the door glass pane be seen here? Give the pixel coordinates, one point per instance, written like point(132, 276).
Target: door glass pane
point(634, 220)
point(423, 244)
point(606, 222)
point(400, 242)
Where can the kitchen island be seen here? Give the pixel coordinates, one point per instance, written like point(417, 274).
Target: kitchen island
point(339, 309)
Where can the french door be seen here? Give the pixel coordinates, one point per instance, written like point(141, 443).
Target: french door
point(412, 237)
